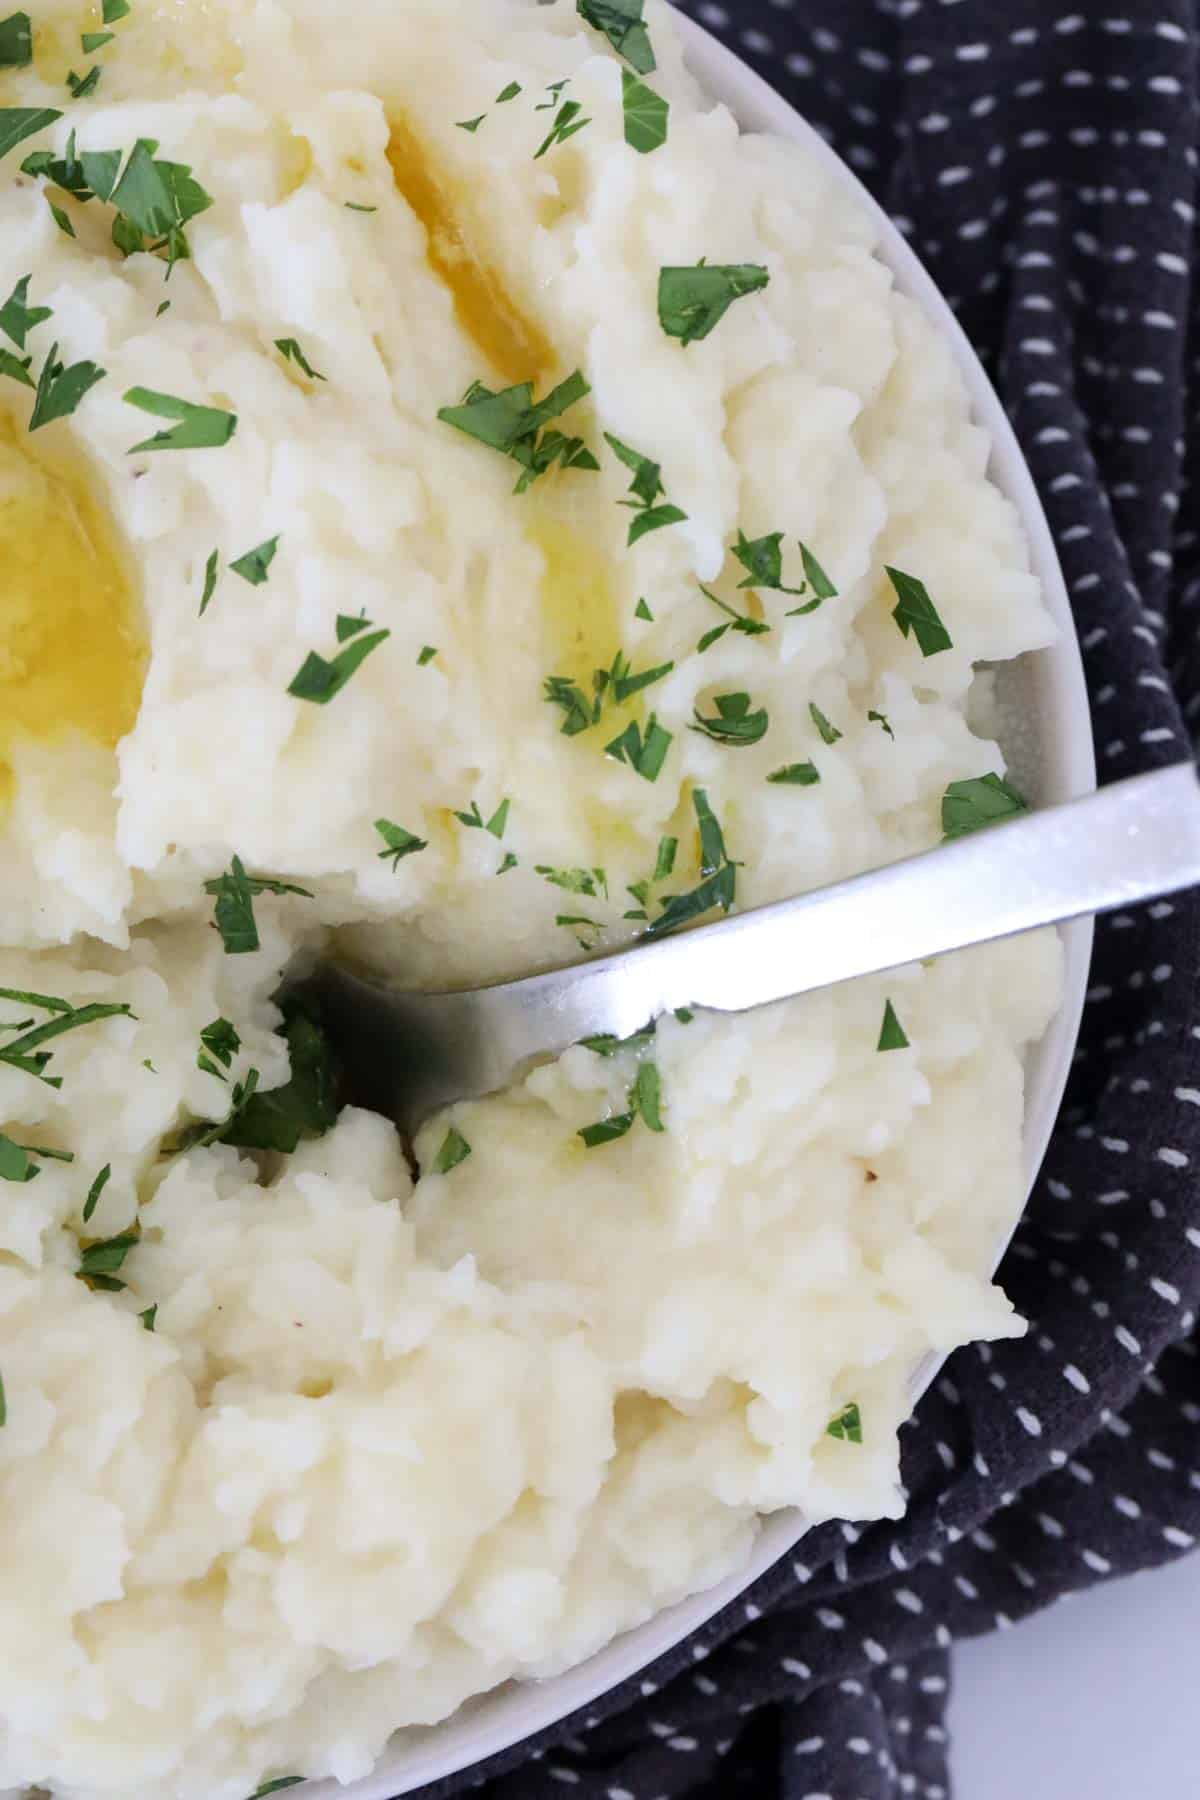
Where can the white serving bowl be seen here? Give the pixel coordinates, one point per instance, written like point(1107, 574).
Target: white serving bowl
point(1043, 701)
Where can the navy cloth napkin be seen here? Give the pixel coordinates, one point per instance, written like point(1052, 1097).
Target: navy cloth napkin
point(1042, 159)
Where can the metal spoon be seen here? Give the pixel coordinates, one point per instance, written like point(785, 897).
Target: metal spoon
point(407, 1054)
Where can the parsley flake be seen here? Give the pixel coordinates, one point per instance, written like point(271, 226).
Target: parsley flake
point(645, 752)
point(665, 865)
point(94, 1192)
point(99, 1263)
point(692, 301)
point(592, 882)
point(95, 40)
point(290, 350)
point(399, 843)
point(645, 1096)
point(734, 723)
point(220, 1043)
point(471, 125)
point(846, 1424)
point(235, 893)
point(427, 655)
point(829, 733)
point(735, 621)
point(113, 11)
point(475, 820)
point(566, 123)
point(622, 24)
point(61, 218)
point(972, 805)
point(646, 487)
point(891, 1036)
point(642, 611)
point(255, 566)
point(83, 85)
point(211, 569)
point(646, 115)
point(508, 93)
point(16, 367)
point(277, 1786)
point(801, 774)
point(607, 1131)
point(455, 1149)
point(718, 884)
point(20, 122)
point(149, 1316)
point(510, 422)
point(320, 679)
point(353, 206)
point(916, 613)
point(16, 41)
point(878, 718)
point(198, 427)
point(25, 1051)
point(17, 317)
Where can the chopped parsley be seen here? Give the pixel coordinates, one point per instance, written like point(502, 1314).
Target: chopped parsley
point(17, 317)
point(972, 805)
point(508, 93)
point(113, 11)
point(735, 621)
point(592, 882)
point(644, 1102)
point(354, 206)
point(646, 487)
point(618, 682)
point(398, 842)
point(646, 114)
point(718, 883)
point(154, 199)
point(471, 125)
point(829, 733)
point(94, 1192)
point(92, 41)
point(16, 41)
point(220, 1043)
point(235, 893)
point(644, 751)
point(554, 90)
point(61, 218)
point(427, 655)
point(734, 722)
point(846, 1424)
point(878, 718)
point(305, 1106)
point(510, 862)
point(16, 367)
point(566, 123)
point(692, 301)
point(276, 1786)
point(455, 1149)
point(622, 24)
point(83, 85)
point(99, 1263)
point(510, 422)
point(211, 570)
point(149, 1316)
point(475, 820)
point(319, 679)
point(15, 1163)
point(642, 611)
point(25, 1051)
point(290, 350)
point(916, 613)
point(891, 1036)
point(665, 865)
point(198, 427)
point(762, 559)
point(607, 1045)
point(20, 122)
point(255, 566)
point(801, 774)
point(3, 1403)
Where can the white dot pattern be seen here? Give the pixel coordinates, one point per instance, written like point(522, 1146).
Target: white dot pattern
point(1043, 162)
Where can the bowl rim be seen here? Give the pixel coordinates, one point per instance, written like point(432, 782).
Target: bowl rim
point(496, 1720)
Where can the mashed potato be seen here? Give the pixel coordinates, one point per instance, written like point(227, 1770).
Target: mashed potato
point(296, 1452)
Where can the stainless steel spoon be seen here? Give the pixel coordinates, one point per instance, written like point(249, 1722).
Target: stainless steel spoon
point(409, 1053)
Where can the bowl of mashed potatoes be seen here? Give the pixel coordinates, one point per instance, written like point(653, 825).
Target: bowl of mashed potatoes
point(478, 483)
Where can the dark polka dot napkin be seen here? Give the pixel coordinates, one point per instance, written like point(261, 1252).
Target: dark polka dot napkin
point(1043, 162)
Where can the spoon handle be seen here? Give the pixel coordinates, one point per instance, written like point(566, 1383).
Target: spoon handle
point(1129, 842)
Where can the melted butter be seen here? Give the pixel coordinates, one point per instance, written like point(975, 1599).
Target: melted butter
point(514, 345)
point(581, 622)
point(71, 655)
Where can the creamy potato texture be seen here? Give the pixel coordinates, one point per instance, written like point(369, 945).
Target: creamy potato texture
point(297, 1451)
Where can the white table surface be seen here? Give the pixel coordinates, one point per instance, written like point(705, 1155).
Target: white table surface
point(1096, 1699)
